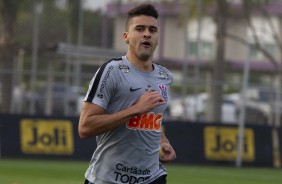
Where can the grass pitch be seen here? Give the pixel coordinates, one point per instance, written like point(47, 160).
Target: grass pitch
point(72, 172)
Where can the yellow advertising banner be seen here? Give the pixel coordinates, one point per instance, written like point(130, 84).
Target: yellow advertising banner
point(40, 136)
point(221, 143)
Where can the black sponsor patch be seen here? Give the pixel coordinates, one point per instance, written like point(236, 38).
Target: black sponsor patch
point(124, 68)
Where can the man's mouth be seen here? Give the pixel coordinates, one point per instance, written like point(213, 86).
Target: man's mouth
point(146, 44)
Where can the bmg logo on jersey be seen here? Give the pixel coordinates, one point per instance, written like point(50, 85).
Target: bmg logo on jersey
point(46, 137)
point(149, 122)
point(221, 143)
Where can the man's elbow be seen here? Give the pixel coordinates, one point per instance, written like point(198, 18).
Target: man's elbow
point(83, 133)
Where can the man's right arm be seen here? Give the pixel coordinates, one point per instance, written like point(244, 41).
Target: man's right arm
point(94, 121)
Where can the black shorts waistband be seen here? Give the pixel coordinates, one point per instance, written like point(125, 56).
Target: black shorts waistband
point(160, 180)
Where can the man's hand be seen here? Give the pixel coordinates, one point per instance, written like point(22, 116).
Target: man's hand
point(167, 153)
point(149, 100)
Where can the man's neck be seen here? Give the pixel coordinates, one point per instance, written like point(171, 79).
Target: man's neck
point(143, 65)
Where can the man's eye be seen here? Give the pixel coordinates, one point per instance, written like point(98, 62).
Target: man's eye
point(153, 30)
point(139, 29)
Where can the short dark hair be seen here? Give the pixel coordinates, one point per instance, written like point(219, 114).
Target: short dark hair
point(143, 9)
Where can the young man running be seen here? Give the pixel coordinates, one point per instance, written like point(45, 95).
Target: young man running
point(124, 108)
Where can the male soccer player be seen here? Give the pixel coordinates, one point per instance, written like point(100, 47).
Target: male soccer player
point(124, 108)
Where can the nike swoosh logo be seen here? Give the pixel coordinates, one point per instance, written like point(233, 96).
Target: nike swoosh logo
point(131, 89)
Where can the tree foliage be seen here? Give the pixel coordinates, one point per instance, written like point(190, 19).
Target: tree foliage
point(56, 23)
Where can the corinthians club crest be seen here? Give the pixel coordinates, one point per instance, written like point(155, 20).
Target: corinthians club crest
point(163, 89)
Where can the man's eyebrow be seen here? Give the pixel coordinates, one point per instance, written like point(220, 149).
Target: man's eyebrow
point(155, 27)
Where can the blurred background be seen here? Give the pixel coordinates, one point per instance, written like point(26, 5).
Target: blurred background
point(225, 56)
point(51, 49)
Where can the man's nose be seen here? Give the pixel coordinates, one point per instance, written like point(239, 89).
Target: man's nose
point(147, 34)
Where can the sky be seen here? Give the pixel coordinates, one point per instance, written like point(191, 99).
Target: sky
point(95, 4)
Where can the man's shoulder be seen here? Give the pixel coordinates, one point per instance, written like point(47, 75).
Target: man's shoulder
point(158, 65)
point(163, 71)
point(115, 65)
point(113, 61)
point(161, 68)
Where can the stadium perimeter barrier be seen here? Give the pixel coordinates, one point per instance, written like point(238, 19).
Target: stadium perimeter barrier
point(43, 137)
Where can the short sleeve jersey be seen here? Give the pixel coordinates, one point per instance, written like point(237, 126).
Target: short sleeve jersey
point(129, 153)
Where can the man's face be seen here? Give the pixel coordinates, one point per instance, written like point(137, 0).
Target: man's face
point(142, 36)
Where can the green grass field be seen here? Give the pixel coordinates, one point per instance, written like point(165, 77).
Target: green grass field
point(72, 172)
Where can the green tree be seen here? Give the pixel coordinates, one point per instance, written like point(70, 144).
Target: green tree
point(216, 87)
point(8, 13)
point(74, 8)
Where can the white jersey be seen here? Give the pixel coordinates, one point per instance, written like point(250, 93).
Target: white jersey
point(130, 153)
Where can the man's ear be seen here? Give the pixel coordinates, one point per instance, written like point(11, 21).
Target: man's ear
point(125, 37)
